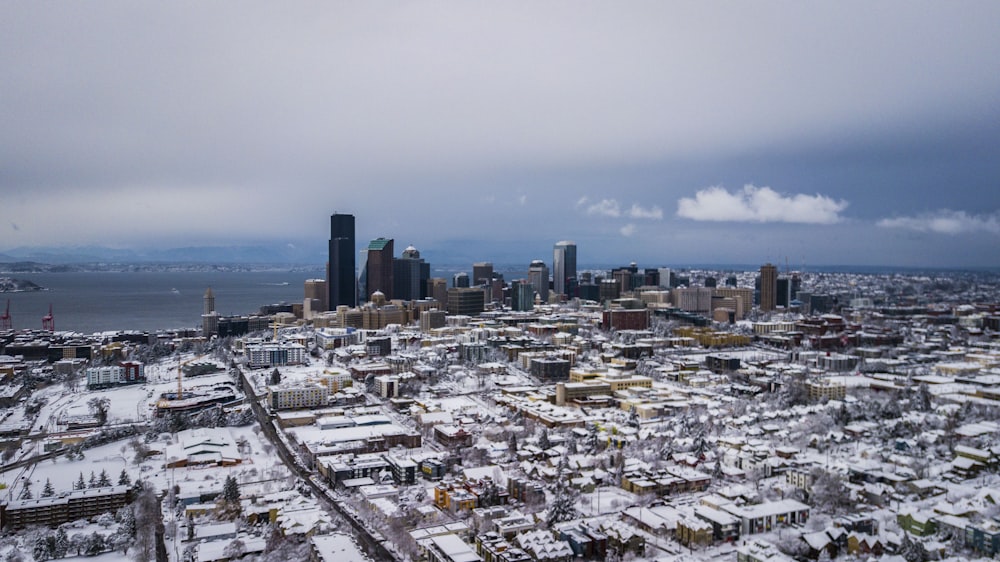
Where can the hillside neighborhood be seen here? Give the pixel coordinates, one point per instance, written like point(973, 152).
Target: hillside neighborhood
point(865, 427)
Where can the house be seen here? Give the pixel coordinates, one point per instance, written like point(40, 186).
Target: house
point(336, 547)
point(725, 526)
point(694, 531)
point(984, 538)
point(764, 517)
point(919, 523)
point(861, 544)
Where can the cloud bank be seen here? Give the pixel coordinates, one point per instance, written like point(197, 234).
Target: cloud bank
point(946, 221)
point(759, 204)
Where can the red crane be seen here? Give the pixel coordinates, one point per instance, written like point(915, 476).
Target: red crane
point(48, 321)
point(5, 319)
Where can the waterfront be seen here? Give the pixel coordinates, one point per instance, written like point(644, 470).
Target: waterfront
point(102, 301)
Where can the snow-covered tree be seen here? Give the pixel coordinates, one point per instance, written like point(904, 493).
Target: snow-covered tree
point(60, 543)
point(95, 544)
point(564, 497)
point(43, 548)
point(26, 491)
point(48, 491)
point(92, 483)
point(124, 479)
point(103, 480)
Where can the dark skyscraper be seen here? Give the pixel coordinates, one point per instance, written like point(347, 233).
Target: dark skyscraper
point(380, 268)
point(768, 287)
point(563, 265)
point(341, 283)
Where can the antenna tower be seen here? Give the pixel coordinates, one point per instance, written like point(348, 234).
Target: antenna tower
point(5, 319)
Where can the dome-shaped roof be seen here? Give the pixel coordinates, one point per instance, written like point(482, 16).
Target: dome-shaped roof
point(411, 252)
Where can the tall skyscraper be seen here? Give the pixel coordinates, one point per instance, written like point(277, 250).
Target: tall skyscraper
point(538, 275)
point(410, 274)
point(563, 265)
point(460, 280)
point(379, 268)
point(341, 283)
point(768, 287)
point(482, 273)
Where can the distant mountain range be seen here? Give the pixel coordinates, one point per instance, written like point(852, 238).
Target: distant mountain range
point(239, 254)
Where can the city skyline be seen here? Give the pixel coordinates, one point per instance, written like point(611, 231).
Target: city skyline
point(849, 134)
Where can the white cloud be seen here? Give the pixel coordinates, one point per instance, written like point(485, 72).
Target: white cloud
point(605, 208)
point(627, 230)
point(946, 221)
point(637, 212)
point(612, 208)
point(522, 200)
point(759, 204)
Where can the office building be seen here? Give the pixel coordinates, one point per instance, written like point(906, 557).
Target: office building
point(563, 266)
point(538, 276)
point(466, 301)
point(768, 287)
point(460, 280)
point(437, 289)
point(783, 292)
point(522, 295)
point(410, 274)
point(665, 276)
point(482, 273)
point(378, 268)
point(316, 293)
point(341, 284)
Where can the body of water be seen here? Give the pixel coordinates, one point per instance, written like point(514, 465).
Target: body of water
point(98, 302)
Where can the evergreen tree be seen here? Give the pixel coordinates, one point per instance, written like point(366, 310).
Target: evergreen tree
point(563, 505)
point(41, 550)
point(26, 491)
point(47, 491)
point(61, 544)
point(231, 496)
point(80, 483)
point(92, 483)
point(543, 440)
point(104, 480)
point(123, 479)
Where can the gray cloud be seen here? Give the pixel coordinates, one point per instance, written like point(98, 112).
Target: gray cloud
point(186, 123)
point(946, 221)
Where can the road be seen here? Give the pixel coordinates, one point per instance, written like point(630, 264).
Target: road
point(372, 545)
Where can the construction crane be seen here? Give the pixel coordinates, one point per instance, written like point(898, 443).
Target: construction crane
point(49, 321)
point(5, 323)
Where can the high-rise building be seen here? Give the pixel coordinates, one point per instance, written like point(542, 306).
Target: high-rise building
point(482, 273)
point(768, 287)
point(563, 265)
point(209, 301)
point(538, 275)
point(437, 289)
point(460, 280)
point(379, 268)
point(522, 295)
point(466, 301)
point(783, 292)
point(316, 292)
point(341, 283)
point(410, 274)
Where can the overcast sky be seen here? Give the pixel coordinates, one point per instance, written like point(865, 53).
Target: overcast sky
point(659, 132)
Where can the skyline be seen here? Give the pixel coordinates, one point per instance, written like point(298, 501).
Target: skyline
point(683, 134)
